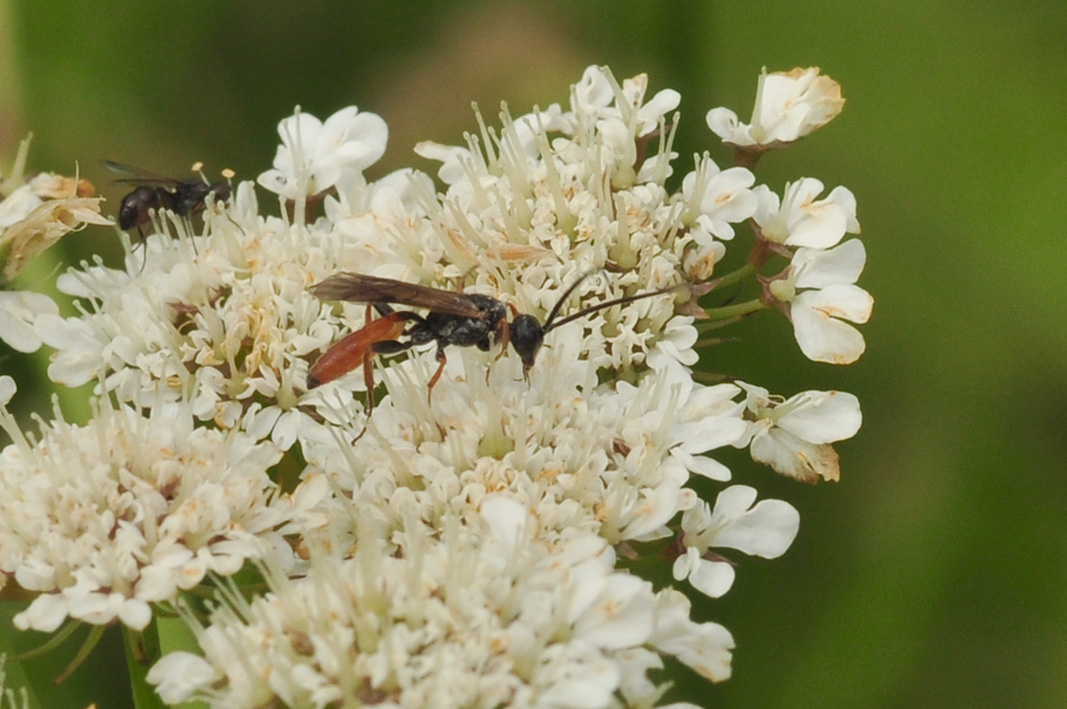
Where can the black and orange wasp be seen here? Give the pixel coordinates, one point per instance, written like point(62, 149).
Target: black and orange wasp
point(461, 319)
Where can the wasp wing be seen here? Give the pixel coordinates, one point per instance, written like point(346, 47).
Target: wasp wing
point(360, 288)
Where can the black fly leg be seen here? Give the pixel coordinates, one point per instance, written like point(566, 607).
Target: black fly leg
point(143, 245)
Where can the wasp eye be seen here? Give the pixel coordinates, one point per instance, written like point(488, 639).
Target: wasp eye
point(526, 337)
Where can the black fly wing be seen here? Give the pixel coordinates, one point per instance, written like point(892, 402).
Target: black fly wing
point(360, 288)
point(137, 175)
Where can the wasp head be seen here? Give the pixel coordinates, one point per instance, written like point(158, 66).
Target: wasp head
point(526, 334)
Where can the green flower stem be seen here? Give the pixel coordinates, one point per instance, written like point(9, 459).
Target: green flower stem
point(55, 641)
point(735, 311)
point(91, 640)
point(734, 276)
point(141, 650)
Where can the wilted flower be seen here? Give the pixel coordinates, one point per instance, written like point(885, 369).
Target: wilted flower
point(23, 241)
point(794, 436)
point(789, 106)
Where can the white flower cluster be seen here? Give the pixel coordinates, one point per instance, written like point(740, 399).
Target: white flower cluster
point(457, 549)
point(103, 520)
point(485, 615)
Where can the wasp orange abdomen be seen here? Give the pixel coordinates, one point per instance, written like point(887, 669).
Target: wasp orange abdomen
point(350, 352)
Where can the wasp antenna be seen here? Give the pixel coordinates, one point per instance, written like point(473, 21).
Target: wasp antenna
point(563, 298)
point(601, 306)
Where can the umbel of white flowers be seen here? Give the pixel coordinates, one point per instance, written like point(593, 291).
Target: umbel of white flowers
point(455, 550)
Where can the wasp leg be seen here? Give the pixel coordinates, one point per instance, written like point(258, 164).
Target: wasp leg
point(368, 375)
point(368, 357)
point(503, 336)
point(436, 375)
point(503, 332)
point(377, 348)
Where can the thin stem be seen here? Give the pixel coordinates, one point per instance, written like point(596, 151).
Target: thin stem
point(714, 341)
point(95, 633)
point(142, 649)
point(705, 326)
point(711, 377)
point(734, 276)
point(55, 641)
point(733, 311)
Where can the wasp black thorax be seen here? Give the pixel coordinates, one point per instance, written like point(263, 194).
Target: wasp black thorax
point(462, 331)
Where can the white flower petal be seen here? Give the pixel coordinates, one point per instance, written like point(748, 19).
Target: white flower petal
point(593, 91)
point(19, 310)
point(8, 388)
point(507, 518)
point(592, 686)
point(704, 647)
point(825, 417)
point(314, 156)
point(840, 265)
point(821, 335)
point(713, 578)
point(45, 613)
point(733, 502)
point(725, 124)
point(135, 614)
point(847, 201)
point(177, 675)
point(620, 618)
point(767, 530)
point(703, 465)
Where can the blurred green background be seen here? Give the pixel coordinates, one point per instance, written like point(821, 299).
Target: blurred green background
point(935, 572)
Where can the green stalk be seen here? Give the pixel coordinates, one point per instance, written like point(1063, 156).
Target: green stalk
point(142, 649)
point(734, 311)
point(734, 276)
